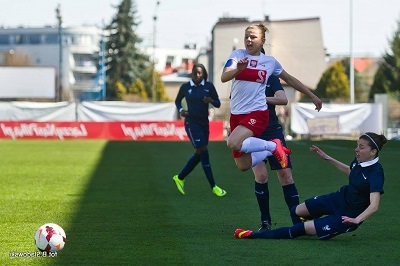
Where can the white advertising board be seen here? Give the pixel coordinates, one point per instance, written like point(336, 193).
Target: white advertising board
point(27, 82)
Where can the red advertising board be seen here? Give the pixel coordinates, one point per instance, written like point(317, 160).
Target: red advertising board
point(129, 131)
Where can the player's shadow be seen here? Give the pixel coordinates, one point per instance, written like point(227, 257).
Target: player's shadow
point(121, 207)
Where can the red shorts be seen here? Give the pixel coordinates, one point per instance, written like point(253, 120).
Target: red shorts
point(256, 121)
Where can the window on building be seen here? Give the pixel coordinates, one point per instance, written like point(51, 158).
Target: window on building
point(185, 63)
point(34, 38)
point(51, 38)
point(84, 60)
point(81, 39)
point(4, 39)
point(169, 62)
point(18, 39)
point(82, 77)
point(170, 59)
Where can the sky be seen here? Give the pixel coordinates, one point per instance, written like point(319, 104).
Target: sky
point(191, 21)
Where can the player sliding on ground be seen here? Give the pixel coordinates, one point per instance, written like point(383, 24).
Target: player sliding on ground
point(342, 211)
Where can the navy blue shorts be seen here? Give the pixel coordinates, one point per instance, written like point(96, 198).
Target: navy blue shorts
point(331, 224)
point(198, 134)
point(275, 133)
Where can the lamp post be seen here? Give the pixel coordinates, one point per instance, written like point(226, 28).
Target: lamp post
point(102, 67)
point(153, 85)
point(59, 19)
point(351, 55)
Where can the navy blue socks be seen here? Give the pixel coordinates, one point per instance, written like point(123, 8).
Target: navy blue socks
point(262, 194)
point(190, 165)
point(292, 200)
point(205, 162)
point(282, 233)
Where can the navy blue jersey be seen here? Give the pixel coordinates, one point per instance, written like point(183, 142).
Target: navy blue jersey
point(364, 178)
point(350, 200)
point(273, 85)
point(198, 110)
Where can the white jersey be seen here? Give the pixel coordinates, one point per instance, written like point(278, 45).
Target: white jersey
point(248, 87)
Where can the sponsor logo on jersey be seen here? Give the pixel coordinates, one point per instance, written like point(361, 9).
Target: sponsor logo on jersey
point(190, 91)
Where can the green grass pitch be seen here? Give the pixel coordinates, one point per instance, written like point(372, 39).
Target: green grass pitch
point(118, 205)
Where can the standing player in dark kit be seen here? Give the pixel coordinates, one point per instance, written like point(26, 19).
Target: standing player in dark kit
point(342, 211)
point(198, 93)
point(275, 95)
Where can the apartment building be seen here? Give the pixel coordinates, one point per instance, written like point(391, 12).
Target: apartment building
point(75, 57)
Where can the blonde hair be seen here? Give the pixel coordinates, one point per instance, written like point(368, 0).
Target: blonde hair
point(261, 27)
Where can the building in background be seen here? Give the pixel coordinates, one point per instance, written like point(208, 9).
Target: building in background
point(297, 44)
point(76, 56)
point(174, 65)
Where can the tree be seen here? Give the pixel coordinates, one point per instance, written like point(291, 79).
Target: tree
point(124, 60)
point(120, 89)
point(334, 83)
point(387, 78)
point(360, 87)
point(159, 84)
point(138, 90)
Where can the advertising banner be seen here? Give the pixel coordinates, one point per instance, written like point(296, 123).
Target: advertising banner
point(127, 131)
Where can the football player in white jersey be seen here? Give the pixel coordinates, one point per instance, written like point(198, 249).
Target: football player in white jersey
point(249, 70)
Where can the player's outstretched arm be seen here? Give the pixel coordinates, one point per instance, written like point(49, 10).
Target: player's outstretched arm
point(297, 85)
point(339, 165)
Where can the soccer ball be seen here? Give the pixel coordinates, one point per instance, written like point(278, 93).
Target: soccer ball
point(50, 237)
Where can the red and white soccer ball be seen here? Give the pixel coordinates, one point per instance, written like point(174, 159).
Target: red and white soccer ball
point(50, 237)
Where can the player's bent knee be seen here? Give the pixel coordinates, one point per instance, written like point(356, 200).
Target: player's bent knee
point(286, 181)
point(285, 177)
point(261, 178)
point(233, 145)
point(243, 166)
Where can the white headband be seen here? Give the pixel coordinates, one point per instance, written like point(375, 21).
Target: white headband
point(376, 145)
